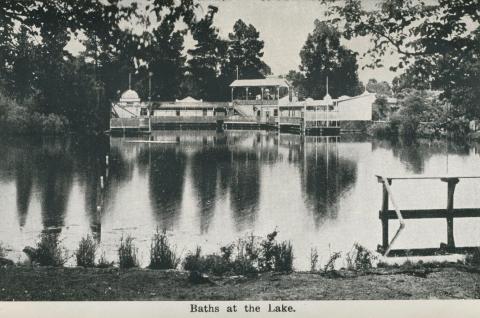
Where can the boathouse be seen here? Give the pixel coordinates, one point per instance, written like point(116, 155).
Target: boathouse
point(255, 104)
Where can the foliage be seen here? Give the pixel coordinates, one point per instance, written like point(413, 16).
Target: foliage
point(162, 255)
point(330, 265)
point(380, 109)
point(297, 79)
point(284, 257)
point(440, 29)
point(86, 251)
point(245, 256)
point(245, 50)
point(208, 56)
point(127, 253)
point(473, 258)
point(360, 258)
point(103, 262)
point(143, 39)
point(49, 252)
point(434, 41)
point(19, 119)
point(380, 88)
point(215, 264)
point(275, 256)
point(323, 56)
point(313, 259)
point(3, 250)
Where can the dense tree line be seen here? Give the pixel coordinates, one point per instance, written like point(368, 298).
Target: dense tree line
point(438, 44)
point(40, 80)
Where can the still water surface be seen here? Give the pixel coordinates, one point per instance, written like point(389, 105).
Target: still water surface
point(210, 188)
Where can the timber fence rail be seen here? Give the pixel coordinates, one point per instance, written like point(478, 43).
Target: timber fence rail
point(449, 214)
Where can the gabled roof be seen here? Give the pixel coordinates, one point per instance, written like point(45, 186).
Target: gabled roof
point(188, 99)
point(260, 82)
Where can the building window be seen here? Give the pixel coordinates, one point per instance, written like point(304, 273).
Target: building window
point(204, 112)
point(275, 112)
point(178, 113)
point(143, 112)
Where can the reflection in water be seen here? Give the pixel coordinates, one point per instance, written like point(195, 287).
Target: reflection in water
point(325, 177)
point(166, 180)
point(209, 164)
point(415, 153)
point(90, 164)
point(244, 188)
point(24, 184)
point(219, 179)
point(55, 169)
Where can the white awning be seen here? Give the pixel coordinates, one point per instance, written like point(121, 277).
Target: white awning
point(260, 82)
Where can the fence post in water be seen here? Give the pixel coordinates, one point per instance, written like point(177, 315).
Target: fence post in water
point(101, 182)
point(385, 241)
point(452, 182)
point(106, 160)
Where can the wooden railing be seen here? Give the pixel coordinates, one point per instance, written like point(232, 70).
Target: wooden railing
point(290, 120)
point(449, 213)
point(124, 123)
point(255, 102)
point(184, 119)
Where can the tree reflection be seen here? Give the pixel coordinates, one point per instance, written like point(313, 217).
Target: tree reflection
point(244, 188)
point(90, 165)
point(205, 168)
point(325, 178)
point(414, 153)
point(166, 181)
point(55, 175)
point(24, 184)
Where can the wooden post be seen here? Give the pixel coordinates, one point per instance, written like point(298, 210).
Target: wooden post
point(385, 241)
point(452, 182)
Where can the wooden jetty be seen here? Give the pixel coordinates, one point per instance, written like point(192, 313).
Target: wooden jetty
point(449, 214)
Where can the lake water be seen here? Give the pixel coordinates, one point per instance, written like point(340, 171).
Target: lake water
point(209, 189)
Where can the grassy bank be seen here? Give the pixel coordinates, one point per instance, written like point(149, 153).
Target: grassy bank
point(441, 281)
point(250, 269)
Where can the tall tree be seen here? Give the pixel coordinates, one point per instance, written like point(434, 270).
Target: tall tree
point(207, 57)
point(23, 65)
point(245, 51)
point(323, 56)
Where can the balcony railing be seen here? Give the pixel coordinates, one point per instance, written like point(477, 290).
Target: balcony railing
point(255, 102)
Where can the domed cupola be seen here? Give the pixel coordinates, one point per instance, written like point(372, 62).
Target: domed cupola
point(129, 96)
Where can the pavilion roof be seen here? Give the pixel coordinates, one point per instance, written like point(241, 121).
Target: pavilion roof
point(260, 82)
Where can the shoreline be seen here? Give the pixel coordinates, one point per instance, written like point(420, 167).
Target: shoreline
point(408, 281)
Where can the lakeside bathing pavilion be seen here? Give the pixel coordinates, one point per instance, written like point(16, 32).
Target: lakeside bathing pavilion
point(268, 103)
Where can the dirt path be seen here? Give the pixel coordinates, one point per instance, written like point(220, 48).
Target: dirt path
point(25, 283)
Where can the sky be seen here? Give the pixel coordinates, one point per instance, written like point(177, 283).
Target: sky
point(284, 26)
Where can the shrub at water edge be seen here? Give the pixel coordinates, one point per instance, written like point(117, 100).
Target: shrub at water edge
point(162, 255)
point(85, 254)
point(48, 251)
point(127, 253)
